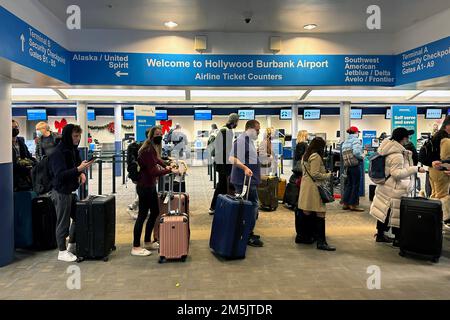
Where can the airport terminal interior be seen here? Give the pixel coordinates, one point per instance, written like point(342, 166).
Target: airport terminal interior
point(119, 68)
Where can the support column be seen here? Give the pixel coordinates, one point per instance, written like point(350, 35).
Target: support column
point(6, 177)
point(118, 138)
point(345, 109)
point(83, 147)
point(294, 125)
point(269, 121)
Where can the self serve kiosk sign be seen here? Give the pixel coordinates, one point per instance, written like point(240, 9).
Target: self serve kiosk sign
point(406, 117)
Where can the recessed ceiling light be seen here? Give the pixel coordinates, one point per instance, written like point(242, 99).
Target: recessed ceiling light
point(310, 26)
point(171, 24)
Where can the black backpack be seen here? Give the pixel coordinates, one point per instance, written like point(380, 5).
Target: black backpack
point(427, 153)
point(132, 161)
point(41, 176)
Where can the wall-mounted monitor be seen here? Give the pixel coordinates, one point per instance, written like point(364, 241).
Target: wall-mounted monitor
point(128, 115)
point(202, 115)
point(356, 114)
point(91, 115)
point(36, 115)
point(246, 114)
point(433, 114)
point(285, 114)
point(388, 114)
point(161, 115)
point(311, 114)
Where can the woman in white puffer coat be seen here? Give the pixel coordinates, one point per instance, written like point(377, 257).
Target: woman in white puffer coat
point(400, 173)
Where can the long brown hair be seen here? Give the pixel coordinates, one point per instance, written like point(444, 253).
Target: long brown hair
point(149, 143)
point(317, 145)
point(268, 140)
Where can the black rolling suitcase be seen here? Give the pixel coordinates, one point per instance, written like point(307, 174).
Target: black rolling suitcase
point(95, 227)
point(421, 227)
point(44, 223)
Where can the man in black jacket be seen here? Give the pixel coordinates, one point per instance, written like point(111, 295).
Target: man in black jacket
point(222, 148)
point(68, 174)
point(22, 160)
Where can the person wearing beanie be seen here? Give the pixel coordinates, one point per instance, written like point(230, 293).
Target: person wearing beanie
point(223, 144)
point(401, 175)
point(68, 174)
point(352, 183)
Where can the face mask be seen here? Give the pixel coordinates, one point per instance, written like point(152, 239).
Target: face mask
point(157, 140)
point(15, 132)
point(39, 133)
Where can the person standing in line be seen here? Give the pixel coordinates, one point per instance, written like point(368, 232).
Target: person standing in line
point(353, 181)
point(223, 144)
point(151, 168)
point(400, 181)
point(312, 209)
point(245, 160)
point(68, 174)
point(47, 140)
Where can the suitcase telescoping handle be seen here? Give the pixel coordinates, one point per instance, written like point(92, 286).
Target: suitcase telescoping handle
point(246, 188)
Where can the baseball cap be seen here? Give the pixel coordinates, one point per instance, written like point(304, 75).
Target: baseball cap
point(353, 129)
point(400, 133)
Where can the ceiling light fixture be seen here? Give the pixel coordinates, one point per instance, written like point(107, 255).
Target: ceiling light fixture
point(310, 26)
point(171, 24)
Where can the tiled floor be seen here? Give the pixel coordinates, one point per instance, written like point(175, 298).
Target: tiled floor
point(279, 270)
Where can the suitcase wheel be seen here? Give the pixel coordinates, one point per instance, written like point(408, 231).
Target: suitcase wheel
point(401, 253)
point(114, 248)
point(435, 260)
point(183, 258)
point(80, 259)
point(105, 259)
point(162, 260)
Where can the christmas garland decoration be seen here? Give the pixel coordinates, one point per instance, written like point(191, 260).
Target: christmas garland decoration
point(109, 127)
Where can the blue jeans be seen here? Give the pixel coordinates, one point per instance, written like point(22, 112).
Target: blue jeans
point(252, 197)
point(351, 188)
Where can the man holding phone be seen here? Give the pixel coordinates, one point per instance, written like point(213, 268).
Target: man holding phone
point(68, 173)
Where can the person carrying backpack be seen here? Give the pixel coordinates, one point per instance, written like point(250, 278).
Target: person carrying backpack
point(47, 140)
point(352, 153)
point(400, 174)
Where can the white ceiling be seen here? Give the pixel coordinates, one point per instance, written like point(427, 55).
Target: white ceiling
point(284, 16)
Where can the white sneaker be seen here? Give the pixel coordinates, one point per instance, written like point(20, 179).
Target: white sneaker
point(66, 256)
point(72, 248)
point(140, 252)
point(152, 245)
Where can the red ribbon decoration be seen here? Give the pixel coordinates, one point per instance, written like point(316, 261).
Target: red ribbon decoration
point(60, 125)
point(166, 125)
point(111, 128)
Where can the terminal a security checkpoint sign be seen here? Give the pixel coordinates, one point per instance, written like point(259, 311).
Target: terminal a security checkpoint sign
point(406, 117)
point(144, 119)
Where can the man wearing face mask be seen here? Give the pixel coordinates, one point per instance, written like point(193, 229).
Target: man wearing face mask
point(68, 174)
point(222, 147)
point(47, 140)
point(22, 160)
point(245, 160)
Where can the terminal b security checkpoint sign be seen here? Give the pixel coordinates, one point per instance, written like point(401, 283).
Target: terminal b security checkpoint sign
point(144, 119)
point(406, 117)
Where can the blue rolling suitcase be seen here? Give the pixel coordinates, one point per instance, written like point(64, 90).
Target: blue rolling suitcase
point(233, 221)
point(23, 219)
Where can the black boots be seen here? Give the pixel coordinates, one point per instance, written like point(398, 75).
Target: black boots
point(304, 226)
point(380, 236)
point(321, 239)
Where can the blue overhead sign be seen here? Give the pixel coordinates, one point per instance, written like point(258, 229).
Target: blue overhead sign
point(426, 62)
point(90, 68)
point(21, 43)
point(25, 45)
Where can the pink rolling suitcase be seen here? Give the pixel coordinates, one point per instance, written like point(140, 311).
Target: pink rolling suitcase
point(163, 199)
point(174, 232)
